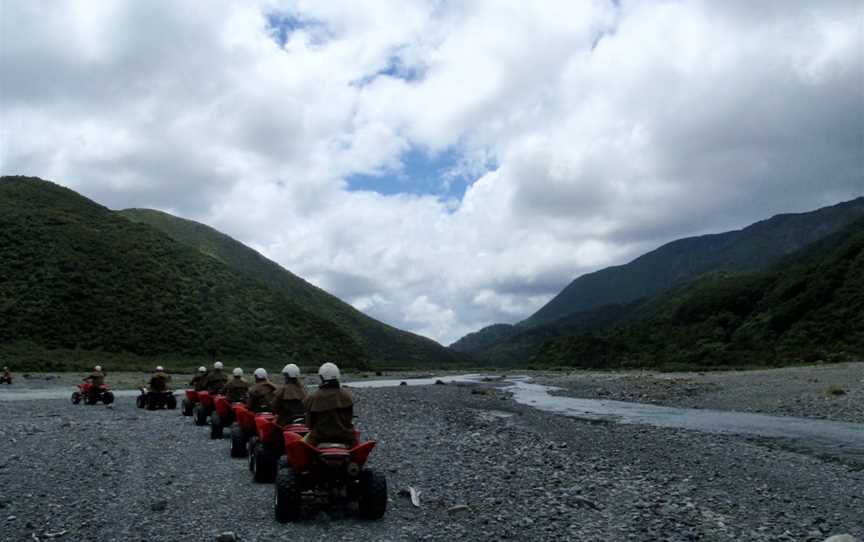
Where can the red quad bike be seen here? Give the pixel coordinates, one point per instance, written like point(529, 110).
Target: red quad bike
point(90, 395)
point(268, 445)
point(329, 475)
point(242, 429)
point(221, 417)
point(189, 402)
point(153, 400)
point(202, 410)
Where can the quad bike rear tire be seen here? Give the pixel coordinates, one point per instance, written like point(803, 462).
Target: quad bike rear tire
point(171, 402)
point(264, 467)
point(200, 415)
point(76, 397)
point(251, 445)
point(372, 502)
point(288, 495)
point(238, 442)
point(215, 426)
point(141, 401)
point(107, 397)
point(187, 407)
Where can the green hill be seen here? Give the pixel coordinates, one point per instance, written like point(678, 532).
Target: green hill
point(608, 296)
point(383, 344)
point(79, 283)
point(810, 307)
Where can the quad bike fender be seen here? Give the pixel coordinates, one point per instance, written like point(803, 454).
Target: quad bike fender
point(205, 399)
point(223, 407)
point(192, 396)
point(245, 418)
point(267, 429)
point(300, 453)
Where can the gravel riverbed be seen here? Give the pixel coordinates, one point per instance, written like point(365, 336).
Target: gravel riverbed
point(486, 469)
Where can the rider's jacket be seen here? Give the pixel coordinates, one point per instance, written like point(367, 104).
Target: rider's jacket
point(329, 415)
point(288, 400)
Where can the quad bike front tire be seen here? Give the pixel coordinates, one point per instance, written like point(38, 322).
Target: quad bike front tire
point(76, 397)
point(372, 502)
point(171, 402)
point(200, 415)
point(107, 397)
point(288, 495)
point(215, 426)
point(238, 443)
point(264, 467)
point(187, 407)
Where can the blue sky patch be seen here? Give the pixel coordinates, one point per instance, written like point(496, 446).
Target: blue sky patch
point(422, 173)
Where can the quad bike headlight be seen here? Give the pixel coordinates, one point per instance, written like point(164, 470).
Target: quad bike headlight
point(353, 469)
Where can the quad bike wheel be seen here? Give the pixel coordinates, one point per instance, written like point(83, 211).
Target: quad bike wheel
point(289, 496)
point(171, 402)
point(200, 415)
point(107, 397)
point(215, 426)
point(250, 451)
point(141, 401)
point(187, 407)
point(76, 397)
point(264, 466)
point(238, 443)
point(373, 494)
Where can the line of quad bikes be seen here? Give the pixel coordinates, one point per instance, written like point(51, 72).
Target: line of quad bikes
point(306, 478)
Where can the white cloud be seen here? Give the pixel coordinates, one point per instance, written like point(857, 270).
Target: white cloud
point(589, 131)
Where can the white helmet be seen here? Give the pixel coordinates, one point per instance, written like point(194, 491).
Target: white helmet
point(260, 373)
point(202, 369)
point(97, 368)
point(291, 371)
point(329, 371)
point(159, 368)
point(218, 365)
point(238, 372)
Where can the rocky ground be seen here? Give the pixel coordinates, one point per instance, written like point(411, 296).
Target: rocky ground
point(834, 392)
point(486, 469)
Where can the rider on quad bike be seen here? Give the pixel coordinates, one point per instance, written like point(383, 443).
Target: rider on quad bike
point(261, 394)
point(199, 381)
point(157, 395)
point(7, 376)
point(159, 380)
point(330, 410)
point(216, 379)
point(236, 390)
point(97, 380)
point(288, 399)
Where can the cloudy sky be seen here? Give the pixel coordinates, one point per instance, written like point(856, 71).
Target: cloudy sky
point(441, 165)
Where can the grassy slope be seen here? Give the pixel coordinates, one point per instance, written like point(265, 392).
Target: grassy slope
point(808, 308)
point(754, 248)
point(78, 282)
point(596, 295)
point(384, 344)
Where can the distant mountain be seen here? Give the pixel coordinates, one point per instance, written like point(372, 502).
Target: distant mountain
point(484, 338)
point(80, 282)
point(382, 344)
point(751, 249)
point(809, 307)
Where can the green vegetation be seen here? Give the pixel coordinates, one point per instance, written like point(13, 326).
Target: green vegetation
point(79, 282)
point(383, 345)
point(809, 308)
point(616, 295)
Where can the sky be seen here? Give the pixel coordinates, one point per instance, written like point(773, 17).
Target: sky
point(441, 165)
